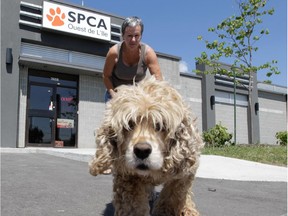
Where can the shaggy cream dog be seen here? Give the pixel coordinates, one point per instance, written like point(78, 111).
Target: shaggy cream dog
point(149, 137)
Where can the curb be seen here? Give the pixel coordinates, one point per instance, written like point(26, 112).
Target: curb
point(84, 156)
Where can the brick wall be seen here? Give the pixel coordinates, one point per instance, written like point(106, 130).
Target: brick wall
point(91, 108)
point(192, 94)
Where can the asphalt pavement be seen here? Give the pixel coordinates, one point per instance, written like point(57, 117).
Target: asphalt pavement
point(40, 182)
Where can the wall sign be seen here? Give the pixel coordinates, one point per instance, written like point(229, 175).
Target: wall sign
point(76, 21)
point(65, 123)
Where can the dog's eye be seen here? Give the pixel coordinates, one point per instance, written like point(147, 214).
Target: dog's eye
point(131, 125)
point(113, 142)
point(159, 127)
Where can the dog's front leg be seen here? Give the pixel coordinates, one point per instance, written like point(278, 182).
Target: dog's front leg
point(131, 196)
point(175, 199)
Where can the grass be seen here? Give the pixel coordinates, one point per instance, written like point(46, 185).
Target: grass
point(274, 155)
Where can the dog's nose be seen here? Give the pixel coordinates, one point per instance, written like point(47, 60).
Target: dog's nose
point(142, 150)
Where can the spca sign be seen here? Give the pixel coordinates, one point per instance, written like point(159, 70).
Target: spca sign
point(75, 21)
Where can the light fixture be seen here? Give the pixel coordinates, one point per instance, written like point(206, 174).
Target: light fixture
point(9, 56)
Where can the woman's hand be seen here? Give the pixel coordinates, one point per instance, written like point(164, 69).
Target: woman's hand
point(112, 92)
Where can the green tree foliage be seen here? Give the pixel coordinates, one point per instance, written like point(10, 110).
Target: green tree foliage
point(237, 37)
point(267, 81)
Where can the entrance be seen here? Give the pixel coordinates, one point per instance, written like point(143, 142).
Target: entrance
point(52, 110)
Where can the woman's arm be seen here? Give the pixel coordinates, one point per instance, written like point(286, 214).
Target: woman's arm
point(111, 59)
point(152, 63)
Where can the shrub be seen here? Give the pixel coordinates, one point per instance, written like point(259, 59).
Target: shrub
point(217, 136)
point(281, 137)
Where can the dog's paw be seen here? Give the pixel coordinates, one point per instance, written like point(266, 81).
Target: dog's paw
point(97, 168)
point(93, 172)
point(94, 168)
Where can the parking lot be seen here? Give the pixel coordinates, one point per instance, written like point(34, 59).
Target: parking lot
point(35, 184)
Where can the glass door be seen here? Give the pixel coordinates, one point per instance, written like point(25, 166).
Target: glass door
point(41, 115)
point(52, 110)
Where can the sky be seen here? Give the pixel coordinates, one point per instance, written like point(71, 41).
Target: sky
point(172, 27)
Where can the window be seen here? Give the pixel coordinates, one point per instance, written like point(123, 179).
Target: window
point(228, 98)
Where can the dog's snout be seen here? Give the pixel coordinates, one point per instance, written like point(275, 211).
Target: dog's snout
point(142, 150)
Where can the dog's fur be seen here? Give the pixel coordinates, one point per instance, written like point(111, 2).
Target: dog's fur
point(149, 137)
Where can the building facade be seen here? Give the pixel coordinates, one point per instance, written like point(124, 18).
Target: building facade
point(272, 111)
point(52, 93)
point(257, 124)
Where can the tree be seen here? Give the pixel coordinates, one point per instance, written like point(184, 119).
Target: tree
point(237, 36)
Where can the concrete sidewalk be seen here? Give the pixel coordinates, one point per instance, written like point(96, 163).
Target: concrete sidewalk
point(212, 167)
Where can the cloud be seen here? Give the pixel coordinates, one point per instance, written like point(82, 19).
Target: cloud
point(183, 67)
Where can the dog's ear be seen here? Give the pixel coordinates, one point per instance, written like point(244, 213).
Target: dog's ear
point(185, 147)
point(106, 151)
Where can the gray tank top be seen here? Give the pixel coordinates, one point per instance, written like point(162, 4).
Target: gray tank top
point(123, 74)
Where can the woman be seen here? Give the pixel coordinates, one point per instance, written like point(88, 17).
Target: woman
point(128, 61)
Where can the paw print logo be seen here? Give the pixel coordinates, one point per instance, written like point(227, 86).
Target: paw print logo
point(56, 17)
